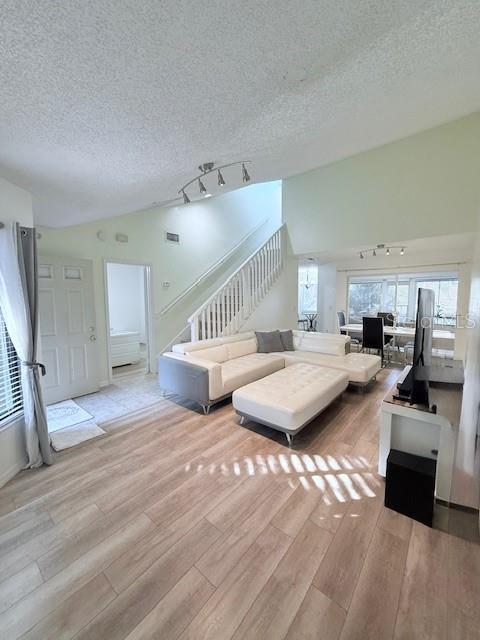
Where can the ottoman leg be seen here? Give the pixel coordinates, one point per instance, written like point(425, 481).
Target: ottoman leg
point(243, 419)
point(289, 439)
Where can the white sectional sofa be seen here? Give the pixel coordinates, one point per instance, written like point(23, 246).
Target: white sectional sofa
point(208, 371)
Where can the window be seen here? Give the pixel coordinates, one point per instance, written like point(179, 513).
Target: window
point(307, 289)
point(10, 385)
point(398, 294)
point(365, 299)
point(446, 292)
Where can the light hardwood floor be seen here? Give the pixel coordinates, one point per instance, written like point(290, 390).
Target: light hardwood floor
point(179, 525)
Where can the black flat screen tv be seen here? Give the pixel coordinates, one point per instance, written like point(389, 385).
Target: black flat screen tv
point(414, 387)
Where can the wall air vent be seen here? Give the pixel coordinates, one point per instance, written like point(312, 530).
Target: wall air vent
point(172, 237)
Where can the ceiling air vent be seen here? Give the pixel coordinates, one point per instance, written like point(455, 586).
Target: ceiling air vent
point(172, 237)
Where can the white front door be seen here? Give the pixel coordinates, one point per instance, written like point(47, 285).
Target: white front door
point(67, 328)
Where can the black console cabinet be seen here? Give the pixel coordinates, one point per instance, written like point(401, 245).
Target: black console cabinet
point(410, 485)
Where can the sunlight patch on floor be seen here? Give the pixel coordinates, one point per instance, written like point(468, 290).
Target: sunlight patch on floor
point(340, 479)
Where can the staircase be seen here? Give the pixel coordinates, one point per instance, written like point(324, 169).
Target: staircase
point(225, 312)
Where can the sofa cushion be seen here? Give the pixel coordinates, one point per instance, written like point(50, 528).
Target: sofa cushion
point(240, 371)
point(199, 345)
point(287, 340)
point(241, 348)
point(329, 343)
point(269, 341)
point(215, 354)
point(360, 367)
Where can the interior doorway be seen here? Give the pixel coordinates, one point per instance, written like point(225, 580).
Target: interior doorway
point(129, 322)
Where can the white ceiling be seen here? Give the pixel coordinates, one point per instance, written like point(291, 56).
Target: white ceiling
point(109, 105)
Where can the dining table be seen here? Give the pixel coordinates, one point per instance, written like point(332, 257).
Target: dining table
point(399, 332)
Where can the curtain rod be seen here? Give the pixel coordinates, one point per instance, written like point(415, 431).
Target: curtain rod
point(405, 268)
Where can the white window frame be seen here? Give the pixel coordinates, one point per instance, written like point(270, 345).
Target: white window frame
point(413, 280)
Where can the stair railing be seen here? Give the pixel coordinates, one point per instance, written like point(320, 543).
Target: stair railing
point(229, 307)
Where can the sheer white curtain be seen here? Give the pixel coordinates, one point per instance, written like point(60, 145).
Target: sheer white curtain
point(18, 301)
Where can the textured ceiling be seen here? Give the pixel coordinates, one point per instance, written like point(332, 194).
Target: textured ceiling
point(107, 106)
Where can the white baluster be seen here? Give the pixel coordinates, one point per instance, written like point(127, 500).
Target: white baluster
point(222, 303)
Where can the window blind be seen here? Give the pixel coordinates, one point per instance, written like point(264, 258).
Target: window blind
point(10, 383)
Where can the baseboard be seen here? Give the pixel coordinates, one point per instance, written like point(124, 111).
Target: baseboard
point(7, 475)
point(457, 507)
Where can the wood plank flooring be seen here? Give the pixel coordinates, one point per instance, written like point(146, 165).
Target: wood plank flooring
point(179, 525)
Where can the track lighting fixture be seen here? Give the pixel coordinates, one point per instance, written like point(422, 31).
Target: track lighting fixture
point(208, 167)
point(382, 248)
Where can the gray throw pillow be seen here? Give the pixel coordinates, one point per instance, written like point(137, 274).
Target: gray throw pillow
point(287, 340)
point(269, 341)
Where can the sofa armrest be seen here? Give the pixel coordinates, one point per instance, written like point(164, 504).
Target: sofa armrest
point(193, 378)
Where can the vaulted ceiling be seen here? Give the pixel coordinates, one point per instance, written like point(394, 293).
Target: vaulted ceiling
point(108, 106)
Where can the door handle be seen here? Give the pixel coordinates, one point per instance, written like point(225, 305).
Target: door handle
point(93, 338)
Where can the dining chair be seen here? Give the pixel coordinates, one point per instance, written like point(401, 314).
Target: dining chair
point(373, 337)
point(388, 318)
point(354, 342)
point(388, 321)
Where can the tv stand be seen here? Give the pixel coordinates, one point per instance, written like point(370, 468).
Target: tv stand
point(418, 430)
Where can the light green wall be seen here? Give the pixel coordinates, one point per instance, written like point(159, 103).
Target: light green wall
point(424, 185)
point(208, 230)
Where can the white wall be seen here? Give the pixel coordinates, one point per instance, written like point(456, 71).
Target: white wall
point(208, 230)
point(327, 298)
point(15, 204)
point(278, 310)
point(424, 185)
point(126, 298)
point(466, 478)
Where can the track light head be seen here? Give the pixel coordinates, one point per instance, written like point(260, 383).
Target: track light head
point(387, 251)
point(221, 181)
point(186, 199)
point(245, 176)
point(361, 255)
point(374, 253)
point(402, 251)
point(202, 187)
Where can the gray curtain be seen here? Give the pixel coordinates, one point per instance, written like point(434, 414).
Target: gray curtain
point(28, 267)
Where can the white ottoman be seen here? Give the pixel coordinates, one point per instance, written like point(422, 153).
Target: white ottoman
point(289, 399)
